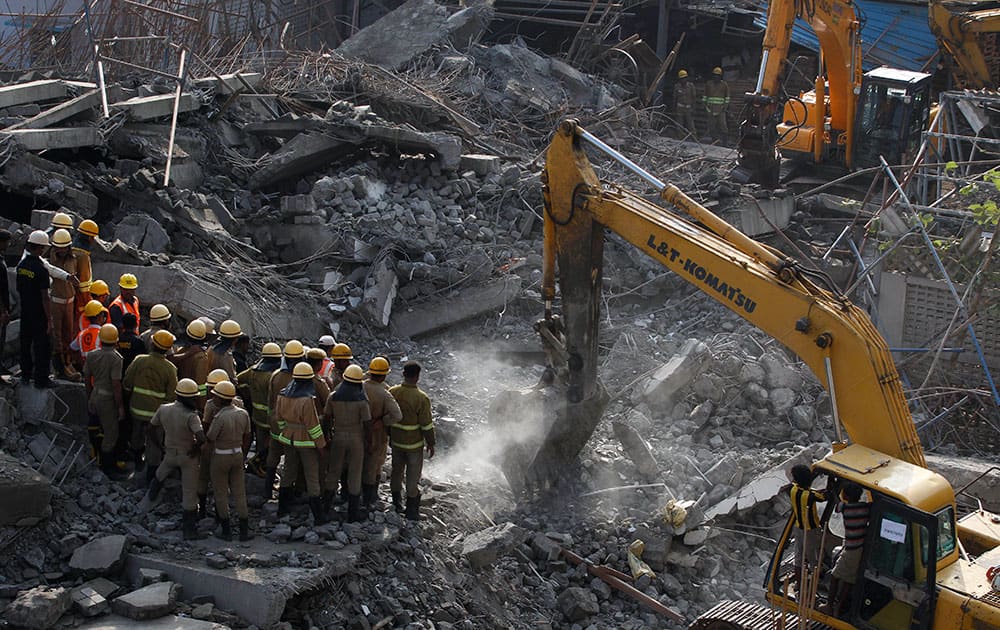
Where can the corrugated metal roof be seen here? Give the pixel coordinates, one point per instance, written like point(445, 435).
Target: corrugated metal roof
point(892, 34)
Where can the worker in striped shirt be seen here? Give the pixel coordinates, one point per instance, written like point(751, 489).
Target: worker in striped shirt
point(808, 528)
point(845, 571)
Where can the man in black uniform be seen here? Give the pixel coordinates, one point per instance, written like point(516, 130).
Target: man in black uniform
point(33, 287)
point(129, 344)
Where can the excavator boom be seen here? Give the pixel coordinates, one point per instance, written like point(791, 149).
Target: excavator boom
point(957, 25)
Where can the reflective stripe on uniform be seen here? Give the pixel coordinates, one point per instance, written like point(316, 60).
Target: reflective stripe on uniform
point(405, 427)
point(315, 432)
point(148, 392)
point(409, 447)
point(203, 390)
point(427, 427)
point(228, 451)
point(261, 407)
point(141, 412)
point(296, 443)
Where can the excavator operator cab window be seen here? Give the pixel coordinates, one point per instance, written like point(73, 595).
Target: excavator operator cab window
point(892, 114)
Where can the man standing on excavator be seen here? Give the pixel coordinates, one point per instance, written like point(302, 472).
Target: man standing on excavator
point(716, 101)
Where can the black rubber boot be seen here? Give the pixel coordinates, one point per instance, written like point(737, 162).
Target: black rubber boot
point(191, 525)
point(150, 475)
point(326, 502)
point(284, 500)
point(369, 494)
point(413, 508)
point(316, 504)
point(202, 505)
point(226, 532)
point(397, 501)
point(354, 513)
point(271, 474)
point(245, 534)
point(154, 488)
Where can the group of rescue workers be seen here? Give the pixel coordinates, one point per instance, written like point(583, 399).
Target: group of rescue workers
point(169, 403)
point(714, 98)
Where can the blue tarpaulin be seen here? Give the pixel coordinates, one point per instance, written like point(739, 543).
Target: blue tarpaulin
point(892, 34)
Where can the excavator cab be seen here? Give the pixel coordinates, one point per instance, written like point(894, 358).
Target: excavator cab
point(892, 113)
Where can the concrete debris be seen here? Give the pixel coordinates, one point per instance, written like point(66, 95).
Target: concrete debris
point(493, 297)
point(143, 232)
point(88, 602)
point(484, 547)
point(170, 622)
point(39, 608)
point(676, 374)
point(577, 603)
point(636, 449)
point(148, 602)
point(24, 493)
point(101, 557)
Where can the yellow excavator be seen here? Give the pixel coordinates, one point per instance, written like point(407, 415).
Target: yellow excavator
point(849, 119)
point(958, 26)
point(923, 567)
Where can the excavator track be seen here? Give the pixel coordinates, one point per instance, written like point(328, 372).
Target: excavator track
point(737, 615)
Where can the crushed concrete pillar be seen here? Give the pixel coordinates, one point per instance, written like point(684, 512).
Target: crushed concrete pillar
point(39, 608)
point(157, 106)
point(380, 292)
point(24, 494)
point(428, 317)
point(483, 548)
point(32, 92)
point(661, 389)
point(479, 164)
point(636, 449)
point(56, 138)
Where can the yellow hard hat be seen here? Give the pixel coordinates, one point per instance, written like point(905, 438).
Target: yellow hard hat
point(93, 308)
point(88, 227)
point(215, 377)
point(99, 287)
point(159, 313)
point(294, 349)
point(186, 388)
point(315, 353)
point(61, 238)
point(196, 329)
point(302, 370)
point(62, 220)
point(163, 340)
point(378, 365)
point(128, 281)
point(717, 70)
point(354, 374)
point(108, 334)
point(224, 389)
point(682, 74)
point(271, 350)
point(341, 351)
point(229, 329)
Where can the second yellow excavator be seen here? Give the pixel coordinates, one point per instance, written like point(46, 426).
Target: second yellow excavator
point(959, 26)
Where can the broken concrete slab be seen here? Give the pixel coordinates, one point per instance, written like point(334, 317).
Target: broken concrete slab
point(24, 494)
point(88, 602)
point(636, 449)
point(34, 176)
point(428, 317)
point(304, 153)
point(380, 292)
point(144, 232)
point(230, 82)
point(962, 471)
point(480, 164)
point(32, 92)
point(101, 556)
point(675, 375)
point(170, 622)
point(148, 602)
point(158, 106)
point(766, 486)
point(578, 603)
point(399, 36)
point(66, 403)
point(445, 146)
point(258, 594)
point(483, 548)
point(56, 138)
point(87, 100)
point(285, 127)
point(38, 608)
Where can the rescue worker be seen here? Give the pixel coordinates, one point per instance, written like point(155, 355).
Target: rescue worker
point(63, 221)
point(63, 310)
point(210, 407)
point(326, 344)
point(60, 221)
point(716, 100)
point(36, 323)
point(102, 375)
point(281, 377)
point(348, 415)
point(806, 521)
point(241, 353)
point(88, 339)
point(342, 356)
point(409, 437)
point(182, 438)
point(221, 354)
point(129, 344)
point(229, 435)
point(98, 291)
point(159, 319)
point(845, 571)
point(210, 335)
point(385, 413)
point(126, 302)
point(191, 358)
point(253, 383)
point(315, 358)
point(302, 437)
point(685, 98)
point(86, 232)
point(150, 382)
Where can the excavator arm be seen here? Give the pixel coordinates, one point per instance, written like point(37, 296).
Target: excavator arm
point(957, 26)
point(835, 338)
point(816, 123)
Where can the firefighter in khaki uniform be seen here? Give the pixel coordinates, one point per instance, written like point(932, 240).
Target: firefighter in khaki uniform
point(348, 415)
point(85, 235)
point(221, 354)
point(150, 381)
point(385, 412)
point(252, 384)
point(716, 101)
point(229, 435)
point(63, 295)
point(302, 436)
point(102, 374)
point(159, 319)
point(280, 378)
point(211, 407)
point(408, 437)
point(685, 98)
point(191, 358)
point(182, 440)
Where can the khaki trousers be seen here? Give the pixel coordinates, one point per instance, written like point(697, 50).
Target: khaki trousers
point(141, 443)
point(347, 449)
point(374, 462)
point(274, 453)
point(228, 478)
point(107, 413)
point(173, 459)
point(308, 458)
point(410, 463)
point(63, 325)
point(262, 435)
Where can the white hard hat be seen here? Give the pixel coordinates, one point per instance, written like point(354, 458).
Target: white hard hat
point(38, 237)
point(326, 341)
